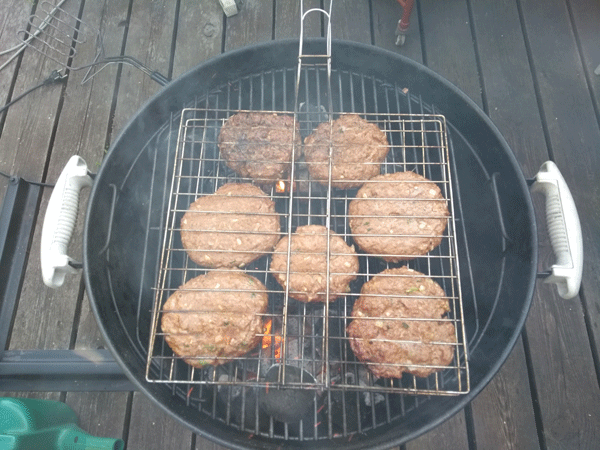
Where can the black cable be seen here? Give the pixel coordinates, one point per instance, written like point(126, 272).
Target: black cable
point(37, 183)
point(54, 77)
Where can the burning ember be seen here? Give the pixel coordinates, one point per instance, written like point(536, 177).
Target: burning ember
point(274, 340)
point(281, 186)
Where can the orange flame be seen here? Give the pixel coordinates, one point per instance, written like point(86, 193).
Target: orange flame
point(268, 340)
point(281, 186)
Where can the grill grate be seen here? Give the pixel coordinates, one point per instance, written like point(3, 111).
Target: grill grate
point(314, 334)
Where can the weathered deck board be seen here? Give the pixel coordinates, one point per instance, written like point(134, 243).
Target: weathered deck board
point(149, 39)
point(199, 34)
point(13, 17)
point(253, 24)
point(44, 317)
point(554, 324)
point(100, 413)
point(447, 44)
point(586, 16)
point(150, 427)
point(504, 412)
point(450, 434)
point(350, 21)
point(287, 19)
point(188, 53)
point(386, 15)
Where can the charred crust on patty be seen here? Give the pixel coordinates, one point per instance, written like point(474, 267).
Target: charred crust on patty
point(214, 318)
point(398, 325)
point(259, 144)
point(358, 149)
point(230, 228)
point(308, 264)
point(398, 216)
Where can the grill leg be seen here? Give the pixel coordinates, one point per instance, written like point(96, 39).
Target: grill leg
point(404, 22)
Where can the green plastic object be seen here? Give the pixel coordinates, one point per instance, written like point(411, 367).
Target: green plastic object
point(33, 424)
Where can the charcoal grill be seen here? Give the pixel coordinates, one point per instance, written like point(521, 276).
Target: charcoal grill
point(433, 129)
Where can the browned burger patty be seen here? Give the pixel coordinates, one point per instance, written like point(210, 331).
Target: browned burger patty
point(379, 336)
point(259, 145)
point(230, 228)
point(215, 317)
point(358, 149)
point(398, 216)
point(308, 264)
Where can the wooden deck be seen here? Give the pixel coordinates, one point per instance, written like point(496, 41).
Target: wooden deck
point(530, 67)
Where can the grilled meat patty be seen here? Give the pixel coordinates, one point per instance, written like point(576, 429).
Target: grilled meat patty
point(259, 144)
point(230, 228)
point(396, 325)
point(308, 264)
point(358, 149)
point(398, 216)
point(215, 317)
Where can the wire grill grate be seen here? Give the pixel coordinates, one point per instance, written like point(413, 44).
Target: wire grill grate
point(310, 336)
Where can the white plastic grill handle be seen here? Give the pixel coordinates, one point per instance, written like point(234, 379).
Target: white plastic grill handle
point(564, 229)
point(59, 222)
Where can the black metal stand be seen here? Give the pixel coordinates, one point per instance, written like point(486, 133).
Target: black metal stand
point(40, 370)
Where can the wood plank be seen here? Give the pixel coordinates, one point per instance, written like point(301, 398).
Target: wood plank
point(586, 17)
point(455, 60)
point(150, 427)
point(100, 413)
point(287, 19)
point(564, 373)
point(204, 444)
point(503, 412)
point(253, 24)
point(386, 15)
point(188, 53)
point(44, 317)
point(193, 47)
point(149, 40)
point(13, 17)
point(350, 20)
point(450, 434)
point(448, 44)
point(503, 416)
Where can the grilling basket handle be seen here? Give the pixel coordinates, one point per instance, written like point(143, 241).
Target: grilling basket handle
point(564, 229)
point(59, 222)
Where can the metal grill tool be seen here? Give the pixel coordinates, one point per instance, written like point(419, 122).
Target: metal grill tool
point(56, 33)
point(309, 337)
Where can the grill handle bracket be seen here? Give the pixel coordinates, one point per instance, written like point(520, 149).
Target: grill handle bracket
point(59, 222)
point(564, 229)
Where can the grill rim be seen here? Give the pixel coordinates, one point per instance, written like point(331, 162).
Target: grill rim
point(170, 99)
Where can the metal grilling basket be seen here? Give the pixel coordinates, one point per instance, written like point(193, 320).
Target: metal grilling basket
point(306, 344)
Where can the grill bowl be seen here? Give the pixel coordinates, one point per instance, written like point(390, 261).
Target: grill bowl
point(497, 232)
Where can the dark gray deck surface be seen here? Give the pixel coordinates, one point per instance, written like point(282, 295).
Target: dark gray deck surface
point(528, 64)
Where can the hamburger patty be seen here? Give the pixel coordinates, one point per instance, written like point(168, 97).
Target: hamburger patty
point(230, 228)
point(215, 317)
point(380, 337)
point(398, 216)
point(308, 264)
point(358, 149)
point(259, 145)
